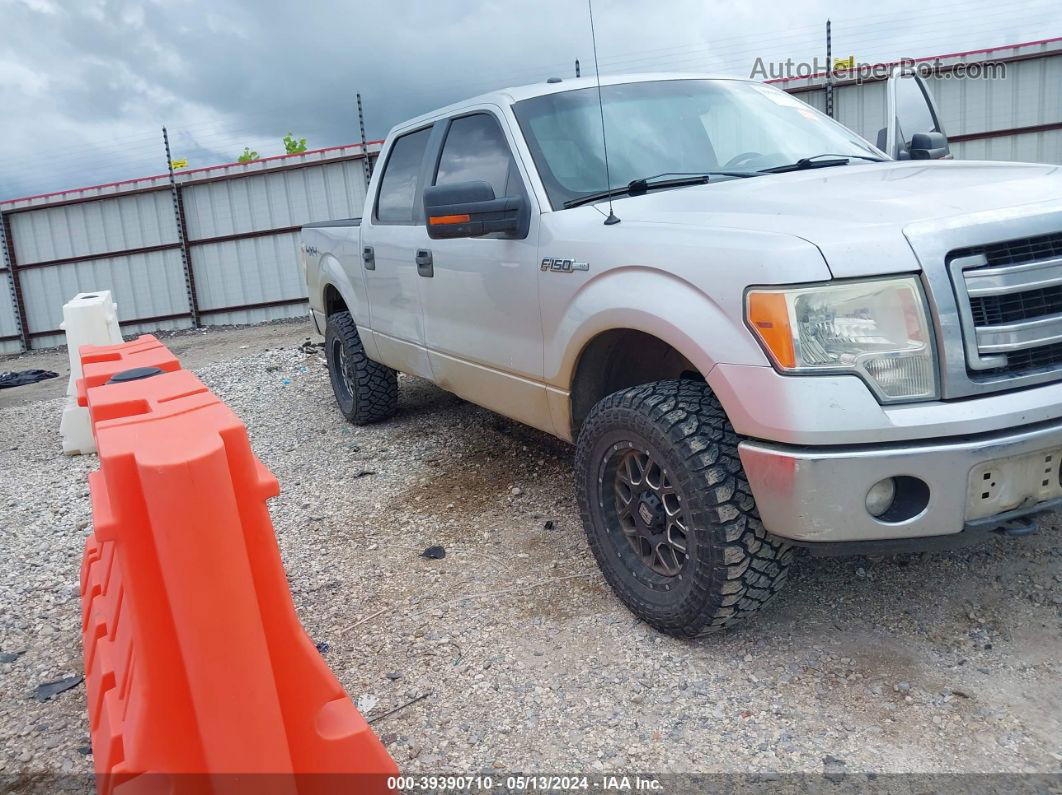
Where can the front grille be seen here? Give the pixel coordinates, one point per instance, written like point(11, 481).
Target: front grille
point(1026, 249)
point(995, 310)
point(1014, 293)
point(1035, 359)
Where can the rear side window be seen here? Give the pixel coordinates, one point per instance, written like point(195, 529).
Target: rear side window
point(398, 187)
point(476, 149)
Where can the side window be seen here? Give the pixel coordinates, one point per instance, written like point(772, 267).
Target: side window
point(912, 110)
point(398, 187)
point(476, 149)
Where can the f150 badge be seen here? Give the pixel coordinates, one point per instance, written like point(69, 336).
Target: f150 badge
point(563, 265)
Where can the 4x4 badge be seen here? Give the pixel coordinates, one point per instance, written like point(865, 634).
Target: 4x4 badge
point(563, 265)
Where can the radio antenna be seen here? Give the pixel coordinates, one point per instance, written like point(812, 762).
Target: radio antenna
point(612, 219)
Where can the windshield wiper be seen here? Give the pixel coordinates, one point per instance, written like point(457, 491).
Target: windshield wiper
point(637, 187)
point(815, 162)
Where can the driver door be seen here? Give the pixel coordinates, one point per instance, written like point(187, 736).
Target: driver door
point(482, 324)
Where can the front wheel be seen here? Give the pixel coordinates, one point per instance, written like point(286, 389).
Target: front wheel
point(366, 391)
point(668, 512)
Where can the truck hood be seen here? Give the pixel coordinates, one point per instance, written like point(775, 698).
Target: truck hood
point(855, 214)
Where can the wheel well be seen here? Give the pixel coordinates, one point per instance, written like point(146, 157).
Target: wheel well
point(333, 301)
point(619, 359)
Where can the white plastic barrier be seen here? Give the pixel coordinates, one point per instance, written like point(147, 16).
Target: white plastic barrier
point(88, 319)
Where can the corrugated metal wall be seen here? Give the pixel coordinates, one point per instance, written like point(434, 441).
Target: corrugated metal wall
point(1017, 118)
point(68, 249)
point(240, 233)
point(258, 268)
point(145, 286)
point(93, 228)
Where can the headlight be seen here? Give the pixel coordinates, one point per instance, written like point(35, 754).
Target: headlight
point(877, 329)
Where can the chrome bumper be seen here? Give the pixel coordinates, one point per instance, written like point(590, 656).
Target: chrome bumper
point(819, 494)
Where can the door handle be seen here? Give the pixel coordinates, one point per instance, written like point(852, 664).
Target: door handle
point(424, 263)
point(368, 256)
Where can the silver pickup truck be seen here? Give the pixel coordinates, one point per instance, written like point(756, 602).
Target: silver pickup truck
point(758, 329)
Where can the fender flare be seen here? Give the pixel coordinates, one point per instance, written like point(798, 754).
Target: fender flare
point(660, 304)
point(333, 274)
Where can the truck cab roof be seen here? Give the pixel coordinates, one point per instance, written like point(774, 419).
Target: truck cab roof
point(513, 94)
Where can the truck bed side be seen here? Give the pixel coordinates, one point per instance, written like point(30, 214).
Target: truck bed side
point(330, 253)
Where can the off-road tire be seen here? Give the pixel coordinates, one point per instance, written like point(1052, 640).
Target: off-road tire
point(366, 391)
point(733, 566)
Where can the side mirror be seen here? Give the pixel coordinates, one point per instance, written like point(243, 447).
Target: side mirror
point(929, 146)
point(469, 209)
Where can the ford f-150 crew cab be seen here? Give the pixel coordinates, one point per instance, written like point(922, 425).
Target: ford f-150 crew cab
point(758, 329)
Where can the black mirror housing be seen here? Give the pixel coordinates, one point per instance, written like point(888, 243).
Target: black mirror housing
point(470, 209)
point(929, 146)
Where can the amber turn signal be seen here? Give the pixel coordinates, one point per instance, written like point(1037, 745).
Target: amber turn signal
point(435, 220)
point(768, 315)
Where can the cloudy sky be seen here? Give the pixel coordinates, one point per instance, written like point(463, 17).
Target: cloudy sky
point(85, 85)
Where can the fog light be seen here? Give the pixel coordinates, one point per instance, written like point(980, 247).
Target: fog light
point(880, 496)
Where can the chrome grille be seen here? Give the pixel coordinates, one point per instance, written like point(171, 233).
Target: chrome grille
point(1010, 298)
point(994, 310)
point(1026, 249)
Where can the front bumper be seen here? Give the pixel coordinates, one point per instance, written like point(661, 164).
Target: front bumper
point(818, 495)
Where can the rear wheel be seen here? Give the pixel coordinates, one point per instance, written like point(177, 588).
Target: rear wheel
point(668, 512)
point(366, 391)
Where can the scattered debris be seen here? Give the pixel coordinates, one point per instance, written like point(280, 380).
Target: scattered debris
point(548, 525)
point(434, 553)
point(833, 769)
point(323, 647)
point(393, 675)
point(400, 707)
point(365, 703)
point(363, 473)
point(50, 689)
point(11, 656)
point(9, 379)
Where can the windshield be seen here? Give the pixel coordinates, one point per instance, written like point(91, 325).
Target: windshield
point(672, 126)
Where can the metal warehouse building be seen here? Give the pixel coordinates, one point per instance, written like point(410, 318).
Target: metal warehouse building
point(220, 246)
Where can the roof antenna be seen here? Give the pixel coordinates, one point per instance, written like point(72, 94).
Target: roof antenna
point(612, 219)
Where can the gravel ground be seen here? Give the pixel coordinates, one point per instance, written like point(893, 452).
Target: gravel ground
point(526, 662)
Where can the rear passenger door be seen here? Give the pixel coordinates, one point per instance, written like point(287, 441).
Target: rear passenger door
point(481, 312)
point(391, 234)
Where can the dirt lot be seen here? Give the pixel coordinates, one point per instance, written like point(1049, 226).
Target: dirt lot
point(942, 662)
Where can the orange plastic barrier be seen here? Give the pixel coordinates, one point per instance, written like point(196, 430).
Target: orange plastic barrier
point(100, 363)
point(195, 660)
